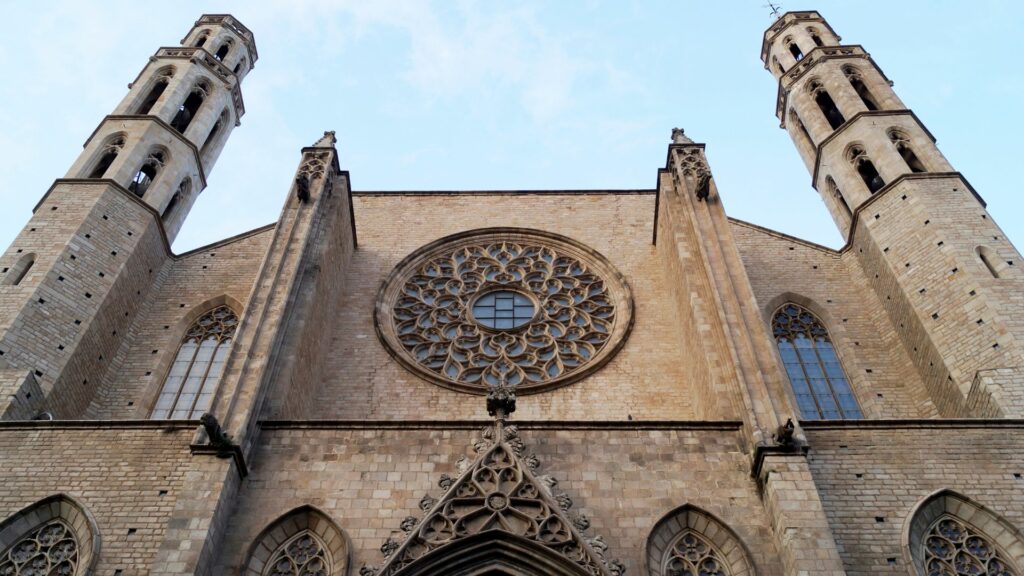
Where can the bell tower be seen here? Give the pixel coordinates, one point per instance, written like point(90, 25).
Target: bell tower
point(74, 277)
point(918, 230)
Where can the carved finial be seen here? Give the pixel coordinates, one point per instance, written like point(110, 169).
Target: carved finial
point(327, 141)
point(680, 137)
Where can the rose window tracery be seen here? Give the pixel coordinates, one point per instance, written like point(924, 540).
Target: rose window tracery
point(521, 308)
point(693, 555)
point(953, 548)
point(48, 550)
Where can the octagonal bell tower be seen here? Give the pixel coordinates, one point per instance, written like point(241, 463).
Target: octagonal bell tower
point(944, 270)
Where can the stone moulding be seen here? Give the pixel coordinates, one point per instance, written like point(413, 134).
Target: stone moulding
point(583, 311)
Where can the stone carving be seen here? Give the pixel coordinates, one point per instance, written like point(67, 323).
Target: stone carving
point(409, 523)
point(368, 570)
point(690, 554)
point(953, 548)
point(691, 163)
point(218, 438)
point(303, 555)
point(49, 549)
point(581, 312)
point(302, 188)
point(427, 502)
point(315, 165)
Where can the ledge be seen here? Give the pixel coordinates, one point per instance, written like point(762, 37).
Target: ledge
point(912, 423)
point(626, 192)
point(720, 425)
point(166, 425)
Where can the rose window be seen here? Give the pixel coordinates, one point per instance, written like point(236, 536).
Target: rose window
point(521, 308)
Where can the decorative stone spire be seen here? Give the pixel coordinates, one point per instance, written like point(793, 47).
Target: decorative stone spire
point(498, 492)
point(680, 137)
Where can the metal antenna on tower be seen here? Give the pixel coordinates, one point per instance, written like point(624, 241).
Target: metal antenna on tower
point(775, 8)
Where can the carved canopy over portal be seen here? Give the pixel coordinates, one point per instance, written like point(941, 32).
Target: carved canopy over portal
point(504, 306)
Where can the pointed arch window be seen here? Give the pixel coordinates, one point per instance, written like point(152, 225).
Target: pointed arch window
point(54, 536)
point(203, 37)
point(858, 157)
point(794, 49)
point(303, 554)
point(179, 195)
point(110, 152)
point(857, 81)
point(217, 127)
point(815, 36)
point(190, 107)
point(303, 542)
point(189, 387)
point(828, 106)
point(147, 173)
point(836, 193)
point(691, 541)
point(222, 52)
point(815, 373)
point(901, 141)
point(955, 548)
point(49, 549)
point(160, 82)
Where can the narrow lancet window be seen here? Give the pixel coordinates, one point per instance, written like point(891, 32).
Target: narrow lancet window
point(794, 49)
point(857, 81)
point(147, 173)
point(818, 380)
point(801, 130)
point(826, 104)
point(202, 39)
point(160, 83)
point(110, 152)
point(217, 127)
point(815, 37)
point(188, 109)
point(989, 259)
point(865, 167)
point(194, 376)
point(179, 195)
point(901, 141)
point(836, 193)
point(222, 52)
point(20, 269)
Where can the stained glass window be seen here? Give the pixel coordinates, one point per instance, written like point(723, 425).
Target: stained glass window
point(953, 548)
point(195, 374)
point(692, 555)
point(503, 310)
point(819, 382)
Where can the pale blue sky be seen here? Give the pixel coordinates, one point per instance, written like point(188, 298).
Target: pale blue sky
point(508, 95)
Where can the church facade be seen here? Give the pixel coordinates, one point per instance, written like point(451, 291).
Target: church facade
point(583, 382)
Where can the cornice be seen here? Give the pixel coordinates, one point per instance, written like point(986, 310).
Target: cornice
point(167, 127)
point(718, 425)
point(235, 26)
point(627, 192)
point(784, 22)
point(216, 67)
point(162, 425)
point(913, 424)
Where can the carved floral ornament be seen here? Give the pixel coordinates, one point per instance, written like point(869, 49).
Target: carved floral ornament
point(504, 306)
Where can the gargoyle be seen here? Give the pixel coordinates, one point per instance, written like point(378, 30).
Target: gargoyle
point(302, 188)
point(219, 439)
point(784, 435)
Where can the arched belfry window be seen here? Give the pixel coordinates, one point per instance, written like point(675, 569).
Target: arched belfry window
point(857, 81)
point(794, 49)
point(815, 36)
point(160, 82)
point(826, 104)
point(190, 107)
point(203, 37)
point(801, 129)
point(195, 373)
point(217, 127)
point(222, 52)
point(819, 382)
point(110, 151)
point(147, 173)
point(858, 157)
point(179, 195)
point(901, 141)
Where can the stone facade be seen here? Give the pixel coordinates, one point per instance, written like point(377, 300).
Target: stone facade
point(299, 443)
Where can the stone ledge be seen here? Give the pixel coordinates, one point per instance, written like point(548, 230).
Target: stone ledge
point(168, 425)
point(719, 425)
point(915, 423)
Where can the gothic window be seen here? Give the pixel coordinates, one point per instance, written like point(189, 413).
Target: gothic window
point(53, 537)
point(522, 308)
point(901, 141)
point(240, 65)
point(147, 173)
point(203, 37)
point(160, 82)
point(955, 548)
point(818, 380)
point(188, 109)
point(815, 36)
point(858, 157)
point(801, 129)
point(826, 104)
point(835, 192)
point(17, 273)
point(110, 151)
point(217, 127)
point(857, 81)
point(222, 52)
point(303, 555)
point(691, 542)
point(794, 49)
point(951, 535)
point(49, 549)
point(303, 542)
point(778, 65)
point(179, 195)
point(195, 373)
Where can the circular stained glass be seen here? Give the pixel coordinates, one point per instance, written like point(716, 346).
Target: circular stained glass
point(503, 310)
point(514, 307)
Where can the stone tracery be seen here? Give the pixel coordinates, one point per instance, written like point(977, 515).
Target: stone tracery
point(50, 549)
point(952, 548)
point(581, 312)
